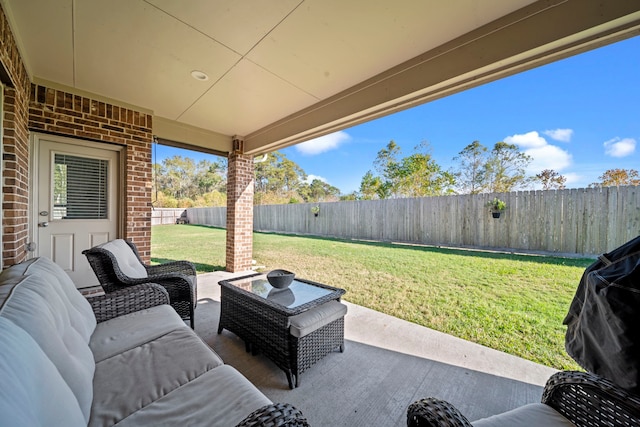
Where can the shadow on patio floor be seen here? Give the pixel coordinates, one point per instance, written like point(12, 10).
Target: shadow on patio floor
point(387, 364)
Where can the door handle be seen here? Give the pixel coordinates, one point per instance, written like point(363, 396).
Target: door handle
point(43, 224)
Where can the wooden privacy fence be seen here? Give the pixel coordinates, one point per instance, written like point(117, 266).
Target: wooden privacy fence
point(160, 216)
point(216, 217)
point(587, 221)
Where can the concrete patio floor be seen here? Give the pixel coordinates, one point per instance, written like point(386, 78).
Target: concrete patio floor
point(387, 364)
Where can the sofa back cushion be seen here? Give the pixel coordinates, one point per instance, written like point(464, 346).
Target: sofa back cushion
point(80, 311)
point(125, 257)
point(40, 305)
point(32, 391)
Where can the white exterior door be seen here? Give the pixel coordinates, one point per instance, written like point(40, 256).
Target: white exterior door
point(77, 202)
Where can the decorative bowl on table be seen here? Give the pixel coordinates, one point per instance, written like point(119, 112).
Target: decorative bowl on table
point(280, 279)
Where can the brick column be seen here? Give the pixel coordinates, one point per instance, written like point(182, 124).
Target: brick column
point(240, 183)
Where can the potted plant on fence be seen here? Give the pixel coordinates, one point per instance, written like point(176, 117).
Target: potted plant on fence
point(315, 210)
point(497, 206)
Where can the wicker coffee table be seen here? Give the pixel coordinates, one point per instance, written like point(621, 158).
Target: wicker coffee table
point(262, 316)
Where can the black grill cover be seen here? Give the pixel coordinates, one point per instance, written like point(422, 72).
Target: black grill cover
point(603, 323)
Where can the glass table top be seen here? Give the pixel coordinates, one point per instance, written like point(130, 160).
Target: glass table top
point(295, 295)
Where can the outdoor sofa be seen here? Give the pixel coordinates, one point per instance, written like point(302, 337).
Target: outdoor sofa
point(123, 358)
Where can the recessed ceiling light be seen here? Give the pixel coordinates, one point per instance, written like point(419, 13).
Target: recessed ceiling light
point(199, 75)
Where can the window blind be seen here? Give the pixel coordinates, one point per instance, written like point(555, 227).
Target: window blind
point(80, 187)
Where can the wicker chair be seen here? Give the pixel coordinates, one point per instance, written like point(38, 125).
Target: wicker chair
point(117, 264)
point(582, 398)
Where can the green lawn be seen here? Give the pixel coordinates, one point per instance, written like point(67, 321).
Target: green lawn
point(512, 303)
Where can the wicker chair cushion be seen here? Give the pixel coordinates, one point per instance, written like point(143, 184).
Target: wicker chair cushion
point(532, 415)
point(132, 330)
point(304, 323)
point(127, 260)
point(38, 306)
point(33, 391)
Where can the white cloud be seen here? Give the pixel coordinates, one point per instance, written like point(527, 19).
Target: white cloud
point(544, 155)
point(574, 178)
point(323, 143)
point(617, 147)
point(527, 140)
point(548, 157)
point(563, 135)
point(310, 179)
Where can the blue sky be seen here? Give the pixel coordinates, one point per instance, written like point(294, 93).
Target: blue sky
point(579, 116)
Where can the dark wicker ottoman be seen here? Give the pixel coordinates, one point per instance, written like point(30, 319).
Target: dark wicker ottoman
point(314, 334)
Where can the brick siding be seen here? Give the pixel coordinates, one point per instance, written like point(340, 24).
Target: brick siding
point(240, 184)
point(15, 146)
point(58, 112)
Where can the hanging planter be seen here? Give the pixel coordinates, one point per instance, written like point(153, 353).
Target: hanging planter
point(496, 206)
point(315, 210)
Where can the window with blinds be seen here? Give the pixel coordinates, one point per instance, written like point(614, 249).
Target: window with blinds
point(80, 187)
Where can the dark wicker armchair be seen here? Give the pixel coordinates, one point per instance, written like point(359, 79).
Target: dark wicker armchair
point(582, 398)
point(117, 264)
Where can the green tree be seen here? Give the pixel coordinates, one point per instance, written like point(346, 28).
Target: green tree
point(319, 191)
point(617, 177)
point(551, 180)
point(418, 175)
point(349, 197)
point(471, 175)
point(278, 175)
point(505, 168)
point(387, 161)
point(387, 164)
point(278, 180)
point(371, 187)
point(176, 177)
point(210, 176)
point(181, 182)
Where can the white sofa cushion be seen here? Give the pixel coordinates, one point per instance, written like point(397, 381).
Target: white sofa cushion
point(125, 257)
point(123, 333)
point(532, 415)
point(220, 397)
point(80, 311)
point(134, 379)
point(37, 305)
point(32, 391)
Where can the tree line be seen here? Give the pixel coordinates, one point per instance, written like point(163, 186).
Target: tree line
point(478, 170)
point(182, 182)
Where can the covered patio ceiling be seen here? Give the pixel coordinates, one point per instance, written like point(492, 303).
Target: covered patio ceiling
point(282, 72)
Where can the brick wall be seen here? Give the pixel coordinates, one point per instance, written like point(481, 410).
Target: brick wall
point(15, 145)
point(240, 183)
point(62, 113)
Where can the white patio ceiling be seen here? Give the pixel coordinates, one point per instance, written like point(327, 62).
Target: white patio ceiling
point(284, 71)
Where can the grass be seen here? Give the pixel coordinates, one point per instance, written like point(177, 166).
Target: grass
point(513, 303)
